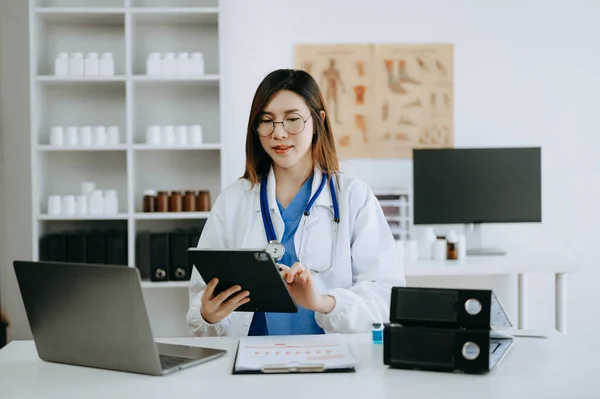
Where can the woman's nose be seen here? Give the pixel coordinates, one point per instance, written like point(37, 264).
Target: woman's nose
point(279, 131)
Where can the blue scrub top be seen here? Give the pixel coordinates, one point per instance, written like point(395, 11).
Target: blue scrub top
point(302, 322)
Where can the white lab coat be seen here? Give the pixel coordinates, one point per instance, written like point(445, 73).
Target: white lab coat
point(367, 263)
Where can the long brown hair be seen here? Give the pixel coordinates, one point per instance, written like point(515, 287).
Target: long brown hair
point(300, 82)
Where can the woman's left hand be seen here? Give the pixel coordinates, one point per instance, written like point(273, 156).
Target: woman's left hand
point(302, 289)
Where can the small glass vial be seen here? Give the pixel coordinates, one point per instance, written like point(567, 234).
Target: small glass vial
point(162, 201)
point(377, 333)
point(451, 246)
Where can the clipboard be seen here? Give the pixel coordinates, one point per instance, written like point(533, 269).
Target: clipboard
point(292, 355)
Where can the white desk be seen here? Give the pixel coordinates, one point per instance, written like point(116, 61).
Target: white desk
point(505, 265)
point(534, 368)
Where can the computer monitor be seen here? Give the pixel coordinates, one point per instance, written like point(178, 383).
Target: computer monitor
point(472, 186)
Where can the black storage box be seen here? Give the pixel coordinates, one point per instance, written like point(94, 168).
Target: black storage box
point(448, 330)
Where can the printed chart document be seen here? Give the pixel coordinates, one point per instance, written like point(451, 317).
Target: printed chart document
point(294, 354)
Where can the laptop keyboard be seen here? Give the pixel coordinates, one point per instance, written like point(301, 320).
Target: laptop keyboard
point(167, 361)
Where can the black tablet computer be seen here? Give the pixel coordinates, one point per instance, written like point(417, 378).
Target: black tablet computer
point(253, 270)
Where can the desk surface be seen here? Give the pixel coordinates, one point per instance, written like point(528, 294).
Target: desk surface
point(489, 265)
point(558, 367)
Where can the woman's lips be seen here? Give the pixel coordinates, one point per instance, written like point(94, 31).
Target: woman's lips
point(282, 149)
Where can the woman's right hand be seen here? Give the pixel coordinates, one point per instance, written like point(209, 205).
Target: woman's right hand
point(216, 308)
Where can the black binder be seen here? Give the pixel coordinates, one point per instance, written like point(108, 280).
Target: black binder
point(448, 330)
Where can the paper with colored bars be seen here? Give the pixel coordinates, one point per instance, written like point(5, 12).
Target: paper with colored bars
point(294, 354)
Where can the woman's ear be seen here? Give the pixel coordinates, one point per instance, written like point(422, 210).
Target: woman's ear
point(322, 113)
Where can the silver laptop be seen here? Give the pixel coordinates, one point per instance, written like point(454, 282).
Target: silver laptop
point(95, 316)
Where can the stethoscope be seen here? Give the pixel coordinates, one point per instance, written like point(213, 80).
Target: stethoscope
point(276, 248)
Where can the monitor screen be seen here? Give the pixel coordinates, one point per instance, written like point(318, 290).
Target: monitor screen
point(477, 185)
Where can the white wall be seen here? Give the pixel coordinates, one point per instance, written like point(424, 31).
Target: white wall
point(525, 74)
point(14, 97)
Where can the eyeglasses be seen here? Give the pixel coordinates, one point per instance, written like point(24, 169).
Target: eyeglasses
point(292, 123)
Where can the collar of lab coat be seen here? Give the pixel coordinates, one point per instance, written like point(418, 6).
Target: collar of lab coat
point(323, 199)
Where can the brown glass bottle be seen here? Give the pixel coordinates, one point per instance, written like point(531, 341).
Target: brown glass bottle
point(149, 201)
point(175, 201)
point(162, 201)
point(203, 201)
point(189, 201)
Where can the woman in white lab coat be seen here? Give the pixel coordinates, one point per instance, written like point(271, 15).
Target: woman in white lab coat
point(339, 257)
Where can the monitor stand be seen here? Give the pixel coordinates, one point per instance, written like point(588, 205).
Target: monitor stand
point(474, 238)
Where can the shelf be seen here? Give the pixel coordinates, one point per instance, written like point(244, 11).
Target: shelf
point(203, 147)
point(166, 4)
point(179, 16)
point(205, 79)
point(165, 284)
point(51, 148)
point(88, 15)
point(79, 79)
point(171, 215)
point(119, 216)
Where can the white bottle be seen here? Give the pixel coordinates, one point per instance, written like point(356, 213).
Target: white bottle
point(439, 249)
point(195, 135)
point(168, 135)
point(182, 64)
point(181, 135)
point(72, 137)
point(68, 205)
point(426, 242)
point(57, 136)
point(113, 135)
point(82, 205)
point(107, 64)
point(85, 135)
point(88, 188)
point(54, 205)
point(169, 67)
point(111, 202)
point(154, 64)
point(153, 135)
point(92, 64)
point(76, 64)
point(100, 138)
point(61, 64)
point(96, 203)
point(462, 246)
point(197, 64)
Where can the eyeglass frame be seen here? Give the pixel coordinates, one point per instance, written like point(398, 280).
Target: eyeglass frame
point(282, 125)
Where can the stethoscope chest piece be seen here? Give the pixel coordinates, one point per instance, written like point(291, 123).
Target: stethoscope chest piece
point(275, 249)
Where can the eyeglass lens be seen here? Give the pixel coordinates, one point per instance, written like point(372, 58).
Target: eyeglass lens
point(292, 123)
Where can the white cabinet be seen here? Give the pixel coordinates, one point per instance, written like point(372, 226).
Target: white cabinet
point(90, 83)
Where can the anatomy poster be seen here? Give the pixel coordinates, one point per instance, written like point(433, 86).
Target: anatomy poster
point(344, 74)
point(384, 100)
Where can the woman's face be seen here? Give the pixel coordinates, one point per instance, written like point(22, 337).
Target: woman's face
point(290, 142)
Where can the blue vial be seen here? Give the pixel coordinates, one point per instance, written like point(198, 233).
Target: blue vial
point(377, 333)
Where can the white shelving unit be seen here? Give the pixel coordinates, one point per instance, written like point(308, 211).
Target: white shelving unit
point(130, 100)
point(396, 205)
